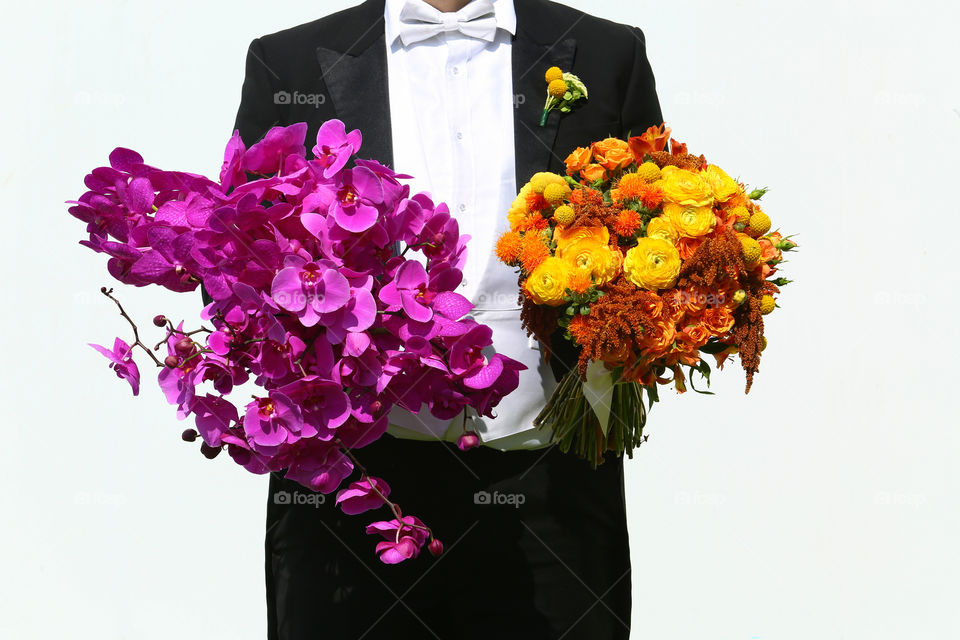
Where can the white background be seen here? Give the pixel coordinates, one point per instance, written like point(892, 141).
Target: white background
point(822, 505)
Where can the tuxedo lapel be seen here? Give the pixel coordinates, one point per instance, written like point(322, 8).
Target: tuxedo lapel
point(533, 144)
point(355, 76)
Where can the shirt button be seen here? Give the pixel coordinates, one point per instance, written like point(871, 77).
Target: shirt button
point(462, 207)
point(455, 70)
point(459, 135)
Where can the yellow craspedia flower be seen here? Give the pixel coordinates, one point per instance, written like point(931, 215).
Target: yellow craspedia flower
point(548, 281)
point(598, 260)
point(556, 193)
point(751, 250)
point(759, 223)
point(767, 304)
point(723, 186)
point(690, 221)
point(564, 215)
point(553, 73)
point(739, 296)
point(661, 227)
point(557, 88)
point(653, 264)
point(763, 345)
point(540, 180)
point(649, 171)
point(681, 186)
point(742, 213)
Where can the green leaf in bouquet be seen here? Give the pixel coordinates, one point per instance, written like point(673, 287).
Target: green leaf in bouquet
point(713, 347)
point(704, 370)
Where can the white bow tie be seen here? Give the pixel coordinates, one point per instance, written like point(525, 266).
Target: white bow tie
point(420, 21)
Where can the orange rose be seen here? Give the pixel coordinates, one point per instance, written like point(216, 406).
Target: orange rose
point(612, 154)
point(718, 320)
point(593, 172)
point(577, 160)
point(697, 334)
point(661, 338)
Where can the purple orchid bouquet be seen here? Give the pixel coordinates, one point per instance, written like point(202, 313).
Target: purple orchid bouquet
point(310, 299)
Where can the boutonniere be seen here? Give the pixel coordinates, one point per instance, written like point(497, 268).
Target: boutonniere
point(563, 89)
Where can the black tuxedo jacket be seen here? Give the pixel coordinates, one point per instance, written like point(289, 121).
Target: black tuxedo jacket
point(336, 67)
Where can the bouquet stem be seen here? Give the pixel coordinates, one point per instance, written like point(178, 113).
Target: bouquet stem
point(576, 427)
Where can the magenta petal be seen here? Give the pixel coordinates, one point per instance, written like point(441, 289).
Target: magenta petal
point(414, 309)
point(451, 305)
point(287, 290)
point(486, 376)
point(355, 217)
point(333, 292)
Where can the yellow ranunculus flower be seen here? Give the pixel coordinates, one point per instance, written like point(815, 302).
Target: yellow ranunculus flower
point(569, 235)
point(599, 260)
point(661, 227)
point(548, 281)
point(681, 186)
point(691, 222)
point(723, 186)
point(518, 208)
point(653, 264)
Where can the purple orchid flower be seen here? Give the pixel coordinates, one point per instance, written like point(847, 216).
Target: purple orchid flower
point(320, 466)
point(309, 289)
point(360, 496)
point(121, 359)
point(335, 146)
point(359, 191)
point(267, 155)
point(408, 291)
point(272, 421)
point(403, 539)
point(214, 417)
point(232, 173)
point(323, 405)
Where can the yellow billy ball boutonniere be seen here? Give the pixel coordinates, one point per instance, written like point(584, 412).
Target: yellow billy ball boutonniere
point(563, 89)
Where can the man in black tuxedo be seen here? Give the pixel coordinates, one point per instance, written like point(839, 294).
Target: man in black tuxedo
point(558, 564)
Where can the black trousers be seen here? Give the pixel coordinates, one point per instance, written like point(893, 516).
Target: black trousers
point(536, 548)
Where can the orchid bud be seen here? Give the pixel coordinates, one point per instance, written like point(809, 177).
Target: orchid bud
point(189, 435)
point(171, 361)
point(435, 547)
point(209, 452)
point(159, 320)
point(183, 346)
point(468, 440)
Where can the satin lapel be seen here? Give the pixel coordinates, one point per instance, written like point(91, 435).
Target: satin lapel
point(533, 143)
point(357, 86)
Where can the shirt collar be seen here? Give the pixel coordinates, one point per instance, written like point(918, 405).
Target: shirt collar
point(504, 12)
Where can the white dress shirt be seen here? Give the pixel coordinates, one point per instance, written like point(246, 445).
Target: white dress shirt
point(451, 112)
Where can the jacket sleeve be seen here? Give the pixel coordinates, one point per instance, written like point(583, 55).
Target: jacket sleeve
point(641, 107)
point(259, 99)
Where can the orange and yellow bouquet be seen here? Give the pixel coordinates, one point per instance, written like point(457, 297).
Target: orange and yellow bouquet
point(647, 259)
